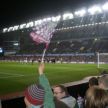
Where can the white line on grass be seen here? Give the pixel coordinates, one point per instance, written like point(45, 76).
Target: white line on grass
point(15, 75)
point(11, 77)
point(9, 73)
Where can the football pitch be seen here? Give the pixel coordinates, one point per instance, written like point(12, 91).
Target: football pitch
point(16, 77)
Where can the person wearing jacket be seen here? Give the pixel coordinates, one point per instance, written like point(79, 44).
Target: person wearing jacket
point(61, 93)
point(40, 95)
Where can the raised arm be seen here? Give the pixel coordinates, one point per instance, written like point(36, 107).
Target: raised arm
point(41, 68)
point(49, 99)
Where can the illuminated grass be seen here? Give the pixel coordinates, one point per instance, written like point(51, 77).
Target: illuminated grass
point(16, 76)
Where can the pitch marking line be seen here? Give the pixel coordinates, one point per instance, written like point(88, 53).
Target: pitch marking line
point(10, 75)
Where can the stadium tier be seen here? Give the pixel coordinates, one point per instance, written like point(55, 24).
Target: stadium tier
point(78, 50)
point(87, 34)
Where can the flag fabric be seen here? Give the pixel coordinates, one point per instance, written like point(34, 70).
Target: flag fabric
point(43, 32)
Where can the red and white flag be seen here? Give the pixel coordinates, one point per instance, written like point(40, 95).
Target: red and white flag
point(43, 32)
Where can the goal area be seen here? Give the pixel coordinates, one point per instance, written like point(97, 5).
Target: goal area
point(102, 61)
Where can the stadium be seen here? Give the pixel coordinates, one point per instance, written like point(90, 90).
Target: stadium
point(77, 50)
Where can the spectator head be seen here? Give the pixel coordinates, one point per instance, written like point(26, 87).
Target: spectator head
point(96, 97)
point(93, 81)
point(34, 95)
point(60, 91)
point(103, 82)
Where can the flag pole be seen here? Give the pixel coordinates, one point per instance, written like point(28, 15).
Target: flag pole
point(43, 55)
point(44, 51)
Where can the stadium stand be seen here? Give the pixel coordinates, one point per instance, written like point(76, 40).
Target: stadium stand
point(75, 40)
point(87, 34)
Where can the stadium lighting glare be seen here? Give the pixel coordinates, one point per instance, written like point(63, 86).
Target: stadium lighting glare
point(5, 30)
point(95, 39)
point(30, 24)
point(15, 27)
point(38, 22)
point(55, 19)
point(105, 6)
point(94, 9)
point(103, 22)
point(15, 44)
point(46, 19)
point(10, 29)
point(67, 16)
point(22, 26)
point(96, 23)
point(1, 50)
point(80, 13)
point(100, 23)
point(85, 25)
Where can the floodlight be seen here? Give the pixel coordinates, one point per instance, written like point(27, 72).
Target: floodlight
point(10, 29)
point(15, 44)
point(85, 25)
point(15, 27)
point(37, 22)
point(95, 39)
point(1, 50)
point(105, 6)
point(40, 21)
point(99, 23)
point(81, 12)
point(57, 18)
point(94, 9)
point(67, 16)
point(46, 19)
point(5, 30)
point(30, 24)
point(22, 26)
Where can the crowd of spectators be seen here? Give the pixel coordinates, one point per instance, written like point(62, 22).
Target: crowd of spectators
point(96, 95)
point(51, 59)
point(68, 46)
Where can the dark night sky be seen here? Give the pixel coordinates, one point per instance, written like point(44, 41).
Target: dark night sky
point(20, 11)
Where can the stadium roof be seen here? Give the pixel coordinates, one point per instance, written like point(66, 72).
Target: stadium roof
point(17, 12)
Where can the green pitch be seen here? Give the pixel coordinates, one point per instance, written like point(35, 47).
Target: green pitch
point(16, 77)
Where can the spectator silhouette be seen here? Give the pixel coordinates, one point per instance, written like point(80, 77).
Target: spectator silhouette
point(93, 81)
point(103, 82)
point(96, 97)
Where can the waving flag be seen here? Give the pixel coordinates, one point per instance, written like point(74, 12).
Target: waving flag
point(43, 32)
